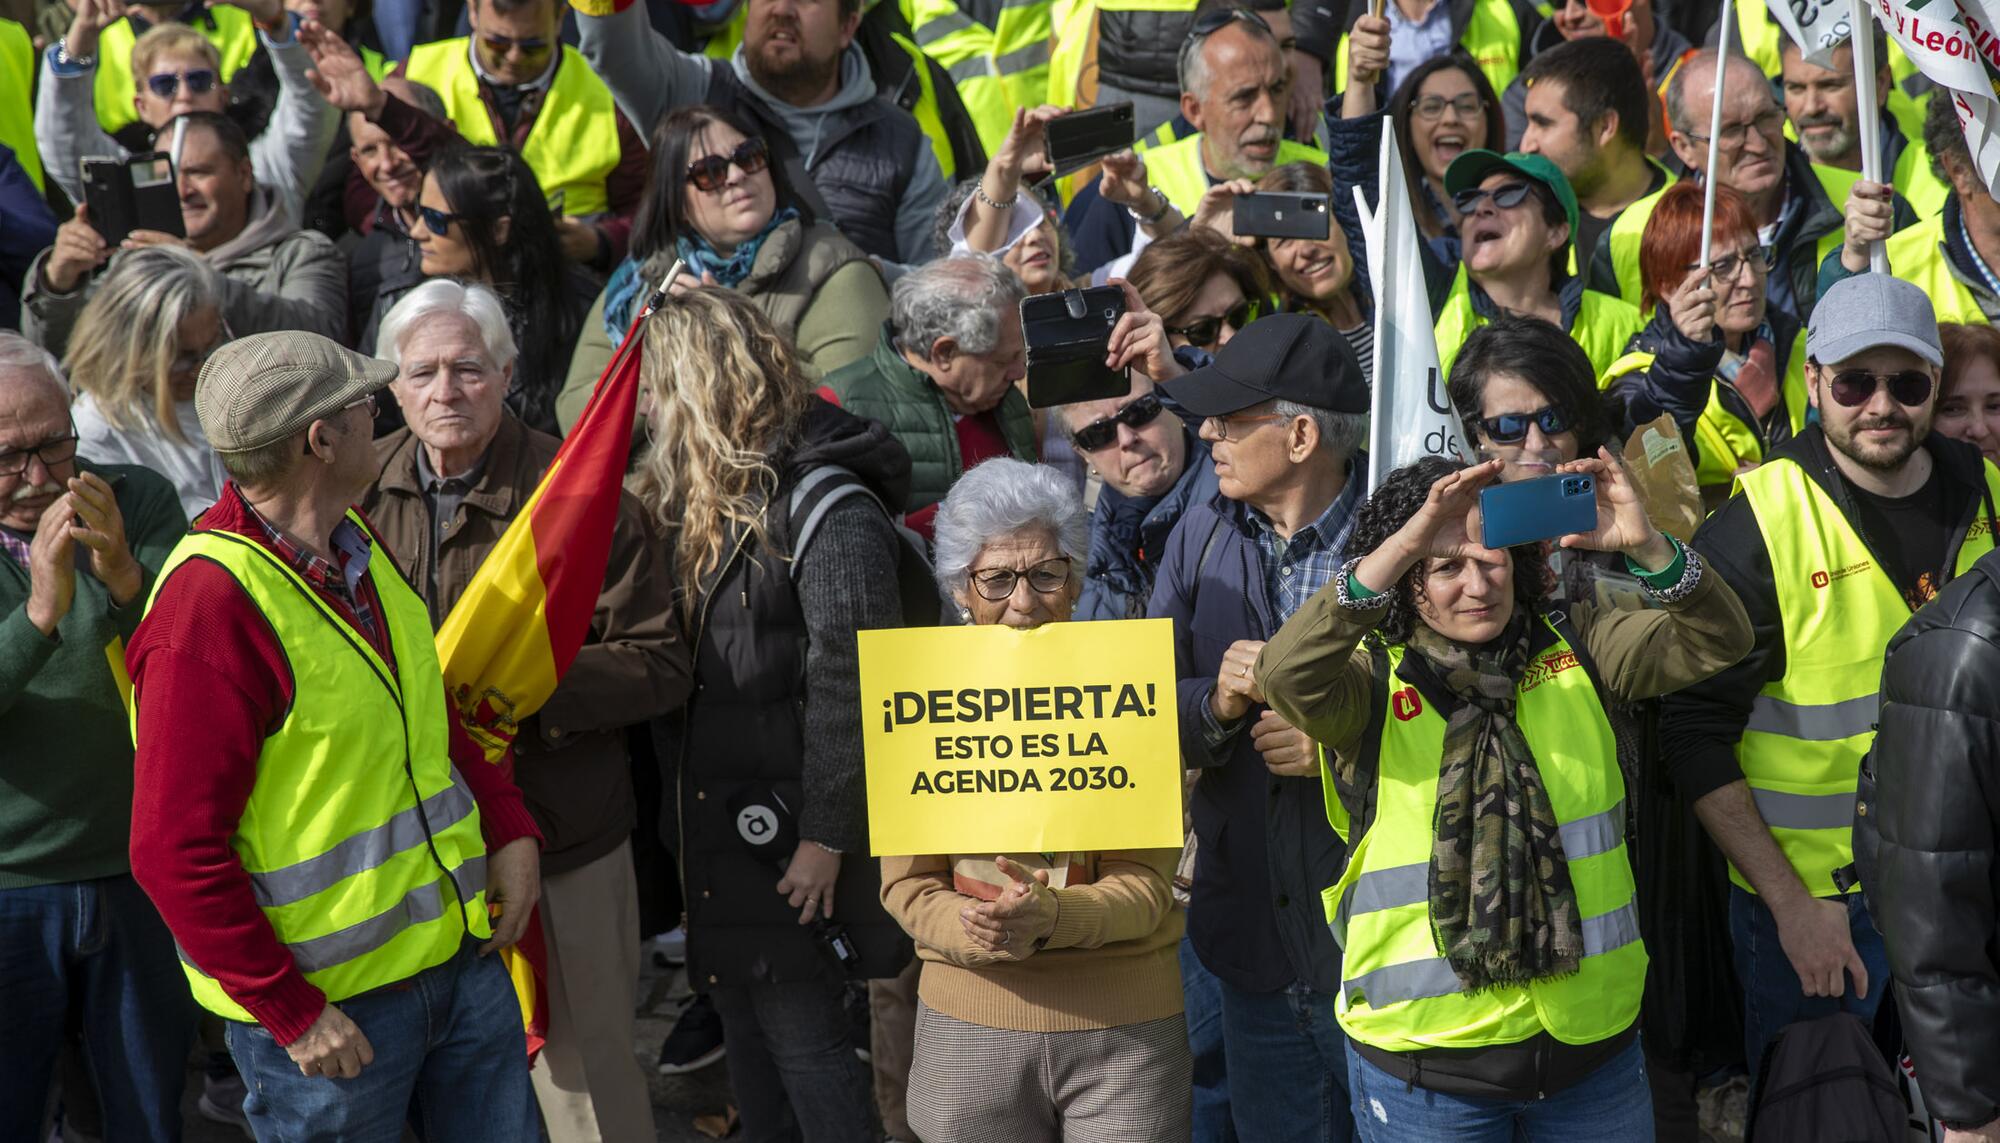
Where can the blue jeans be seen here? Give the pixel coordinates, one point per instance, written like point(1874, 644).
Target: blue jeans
point(1287, 1066)
point(98, 946)
point(450, 1057)
point(1610, 1105)
point(1202, 995)
point(791, 1062)
point(1772, 994)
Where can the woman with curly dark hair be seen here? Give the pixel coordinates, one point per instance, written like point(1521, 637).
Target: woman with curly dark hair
point(1493, 964)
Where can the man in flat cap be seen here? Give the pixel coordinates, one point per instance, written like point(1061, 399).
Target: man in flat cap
point(316, 829)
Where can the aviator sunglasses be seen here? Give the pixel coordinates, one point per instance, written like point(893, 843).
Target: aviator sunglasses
point(1853, 388)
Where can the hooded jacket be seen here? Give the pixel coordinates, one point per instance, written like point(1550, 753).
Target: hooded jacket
point(776, 713)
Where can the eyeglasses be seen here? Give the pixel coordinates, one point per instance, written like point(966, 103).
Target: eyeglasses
point(1852, 388)
point(191, 361)
point(1101, 434)
point(374, 407)
point(1512, 428)
point(54, 451)
point(1202, 333)
point(437, 221)
point(1735, 135)
point(529, 45)
point(1223, 424)
point(1760, 260)
point(1046, 578)
point(200, 81)
point(1216, 19)
point(1506, 196)
point(710, 172)
point(1431, 107)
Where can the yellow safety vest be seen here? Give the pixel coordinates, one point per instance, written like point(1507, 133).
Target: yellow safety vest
point(234, 35)
point(1176, 170)
point(17, 105)
point(1397, 992)
point(1725, 443)
point(1913, 177)
point(377, 65)
point(1801, 751)
point(1763, 40)
point(355, 791)
point(997, 69)
point(1073, 26)
point(573, 145)
point(1629, 231)
point(1492, 38)
point(1916, 254)
point(1604, 325)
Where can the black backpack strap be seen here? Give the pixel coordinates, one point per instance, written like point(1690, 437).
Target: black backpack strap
point(1566, 627)
point(814, 496)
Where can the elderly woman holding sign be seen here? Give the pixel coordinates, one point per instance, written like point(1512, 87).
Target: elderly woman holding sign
point(1492, 962)
point(1050, 994)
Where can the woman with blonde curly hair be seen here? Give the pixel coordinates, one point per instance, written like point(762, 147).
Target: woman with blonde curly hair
point(134, 357)
point(777, 510)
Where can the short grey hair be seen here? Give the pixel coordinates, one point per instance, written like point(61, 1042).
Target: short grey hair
point(997, 499)
point(964, 297)
point(1191, 66)
point(19, 355)
point(1341, 433)
point(470, 300)
point(1675, 98)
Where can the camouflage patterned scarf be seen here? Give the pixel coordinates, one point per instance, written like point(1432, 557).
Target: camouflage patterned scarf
point(1503, 909)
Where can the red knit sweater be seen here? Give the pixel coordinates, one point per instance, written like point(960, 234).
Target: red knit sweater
point(212, 682)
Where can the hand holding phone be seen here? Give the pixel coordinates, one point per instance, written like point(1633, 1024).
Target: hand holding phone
point(139, 192)
point(78, 250)
point(1282, 214)
point(1080, 138)
point(1068, 338)
point(1540, 508)
point(1622, 524)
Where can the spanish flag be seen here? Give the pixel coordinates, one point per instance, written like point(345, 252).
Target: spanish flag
point(510, 637)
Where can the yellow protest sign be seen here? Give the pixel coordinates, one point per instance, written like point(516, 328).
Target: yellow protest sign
point(992, 740)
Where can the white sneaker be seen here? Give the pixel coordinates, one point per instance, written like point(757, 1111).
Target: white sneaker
point(670, 950)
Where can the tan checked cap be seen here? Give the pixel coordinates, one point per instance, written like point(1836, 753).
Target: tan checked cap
point(260, 389)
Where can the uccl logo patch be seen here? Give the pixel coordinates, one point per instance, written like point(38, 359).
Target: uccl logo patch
point(1405, 704)
point(1547, 667)
point(1820, 579)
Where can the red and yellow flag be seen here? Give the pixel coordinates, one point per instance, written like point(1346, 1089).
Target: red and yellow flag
point(510, 637)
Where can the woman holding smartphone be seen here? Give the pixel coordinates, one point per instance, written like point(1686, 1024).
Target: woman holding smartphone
point(1493, 965)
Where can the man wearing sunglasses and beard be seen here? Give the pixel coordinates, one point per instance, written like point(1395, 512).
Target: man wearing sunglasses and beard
point(1831, 544)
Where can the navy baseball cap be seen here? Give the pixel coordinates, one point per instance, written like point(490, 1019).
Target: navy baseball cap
point(1284, 357)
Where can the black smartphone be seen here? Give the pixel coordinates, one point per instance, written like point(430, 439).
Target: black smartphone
point(1540, 508)
point(1281, 214)
point(1076, 140)
point(134, 193)
point(1068, 335)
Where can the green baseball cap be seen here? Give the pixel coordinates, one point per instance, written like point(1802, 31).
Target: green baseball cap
point(1471, 168)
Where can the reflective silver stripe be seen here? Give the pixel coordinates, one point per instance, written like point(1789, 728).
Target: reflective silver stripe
point(1608, 932)
point(965, 71)
point(363, 851)
point(1805, 811)
point(1431, 978)
point(1008, 5)
point(1598, 833)
point(945, 25)
point(1391, 888)
point(1813, 722)
point(1023, 59)
point(420, 905)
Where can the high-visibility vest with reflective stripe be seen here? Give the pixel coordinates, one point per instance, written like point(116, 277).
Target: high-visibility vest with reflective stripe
point(374, 63)
point(1629, 231)
point(17, 106)
point(1398, 992)
point(1176, 170)
point(1913, 177)
point(1492, 38)
point(234, 35)
point(1604, 325)
point(1916, 254)
point(337, 849)
point(995, 69)
point(1073, 24)
point(1801, 750)
point(1724, 443)
point(572, 147)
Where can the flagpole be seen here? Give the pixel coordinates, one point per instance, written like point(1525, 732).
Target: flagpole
point(1722, 26)
point(1862, 40)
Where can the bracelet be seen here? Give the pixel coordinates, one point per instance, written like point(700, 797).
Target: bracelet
point(1154, 218)
point(1684, 587)
point(1343, 593)
point(823, 846)
point(66, 60)
point(979, 192)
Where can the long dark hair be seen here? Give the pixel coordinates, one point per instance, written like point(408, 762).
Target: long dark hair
point(1391, 506)
point(1402, 107)
point(662, 216)
point(484, 185)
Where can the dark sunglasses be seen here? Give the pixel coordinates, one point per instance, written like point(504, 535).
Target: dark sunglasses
point(1103, 433)
point(710, 172)
point(1512, 428)
point(200, 81)
point(1204, 332)
point(437, 221)
point(530, 45)
point(1853, 388)
point(1216, 19)
point(1506, 196)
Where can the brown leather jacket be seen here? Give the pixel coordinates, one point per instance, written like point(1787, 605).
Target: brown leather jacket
point(570, 760)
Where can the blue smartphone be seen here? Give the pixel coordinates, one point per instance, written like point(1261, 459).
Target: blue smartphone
point(1525, 511)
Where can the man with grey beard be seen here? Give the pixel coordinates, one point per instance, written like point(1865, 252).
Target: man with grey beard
point(1825, 111)
point(78, 547)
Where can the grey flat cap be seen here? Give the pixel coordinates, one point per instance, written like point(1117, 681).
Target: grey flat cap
point(260, 389)
point(1869, 311)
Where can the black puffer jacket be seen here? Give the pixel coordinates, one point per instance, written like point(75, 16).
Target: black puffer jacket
point(1927, 841)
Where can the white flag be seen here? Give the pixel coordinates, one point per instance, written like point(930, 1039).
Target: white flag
point(1410, 416)
point(1956, 46)
point(1816, 26)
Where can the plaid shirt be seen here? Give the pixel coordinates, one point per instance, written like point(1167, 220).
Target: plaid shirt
point(342, 581)
point(1296, 568)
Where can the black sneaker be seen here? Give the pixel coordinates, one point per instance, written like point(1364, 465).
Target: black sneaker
point(695, 1042)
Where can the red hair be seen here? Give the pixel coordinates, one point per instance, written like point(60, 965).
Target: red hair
point(1672, 241)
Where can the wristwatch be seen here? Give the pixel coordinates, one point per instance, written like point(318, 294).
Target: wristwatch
point(1156, 216)
point(64, 59)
